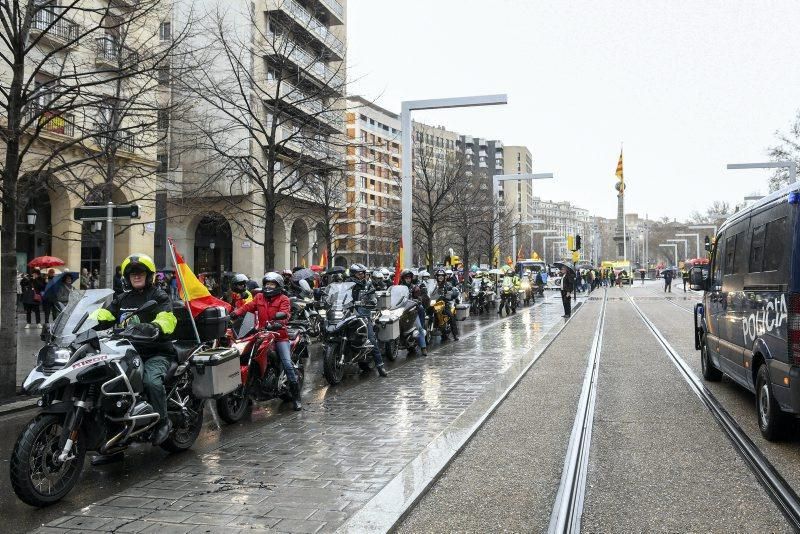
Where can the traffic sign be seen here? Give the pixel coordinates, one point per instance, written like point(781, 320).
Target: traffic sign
point(100, 212)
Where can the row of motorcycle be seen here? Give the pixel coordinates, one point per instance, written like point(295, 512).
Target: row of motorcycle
point(91, 382)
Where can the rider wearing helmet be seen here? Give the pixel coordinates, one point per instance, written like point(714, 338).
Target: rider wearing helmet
point(239, 294)
point(266, 305)
point(444, 291)
point(378, 281)
point(420, 294)
point(358, 275)
point(154, 325)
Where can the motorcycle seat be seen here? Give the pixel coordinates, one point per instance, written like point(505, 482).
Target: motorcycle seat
point(293, 333)
point(183, 349)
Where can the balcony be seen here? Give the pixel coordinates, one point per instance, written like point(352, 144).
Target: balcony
point(335, 9)
point(309, 106)
point(313, 26)
point(110, 53)
point(59, 31)
point(282, 46)
point(52, 121)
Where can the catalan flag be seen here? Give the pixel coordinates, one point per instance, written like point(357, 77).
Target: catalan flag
point(190, 289)
point(398, 268)
point(619, 167)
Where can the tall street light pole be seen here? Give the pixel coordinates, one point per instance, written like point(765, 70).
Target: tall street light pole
point(674, 247)
point(407, 151)
point(711, 227)
point(791, 165)
point(685, 245)
point(697, 237)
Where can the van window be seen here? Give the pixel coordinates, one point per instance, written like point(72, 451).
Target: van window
point(775, 244)
point(757, 248)
point(730, 254)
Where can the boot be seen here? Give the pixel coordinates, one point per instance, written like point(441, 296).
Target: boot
point(424, 351)
point(382, 371)
point(294, 389)
point(162, 431)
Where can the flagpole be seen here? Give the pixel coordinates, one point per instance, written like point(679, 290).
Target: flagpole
point(183, 286)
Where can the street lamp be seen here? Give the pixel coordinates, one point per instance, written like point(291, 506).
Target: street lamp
point(496, 179)
point(544, 245)
point(791, 165)
point(685, 245)
point(697, 237)
point(31, 216)
point(705, 226)
point(674, 247)
point(407, 151)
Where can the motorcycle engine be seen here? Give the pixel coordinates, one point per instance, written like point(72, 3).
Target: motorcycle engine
point(142, 408)
point(269, 385)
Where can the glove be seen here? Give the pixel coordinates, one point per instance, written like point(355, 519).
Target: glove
point(142, 331)
point(102, 315)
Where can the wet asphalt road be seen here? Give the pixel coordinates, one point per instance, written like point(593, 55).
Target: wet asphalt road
point(144, 461)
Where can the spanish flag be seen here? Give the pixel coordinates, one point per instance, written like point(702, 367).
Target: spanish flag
point(323, 260)
point(398, 268)
point(190, 289)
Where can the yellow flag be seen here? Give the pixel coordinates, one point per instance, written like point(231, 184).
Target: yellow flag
point(619, 167)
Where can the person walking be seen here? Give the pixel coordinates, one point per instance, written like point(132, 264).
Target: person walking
point(641, 274)
point(667, 280)
point(30, 301)
point(685, 277)
point(567, 287)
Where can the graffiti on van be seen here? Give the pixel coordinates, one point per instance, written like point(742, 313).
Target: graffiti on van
point(771, 317)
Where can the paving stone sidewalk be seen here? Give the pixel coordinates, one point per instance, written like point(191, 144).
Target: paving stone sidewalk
point(311, 471)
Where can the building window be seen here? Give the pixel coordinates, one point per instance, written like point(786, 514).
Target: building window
point(272, 74)
point(162, 163)
point(165, 31)
point(163, 119)
point(163, 75)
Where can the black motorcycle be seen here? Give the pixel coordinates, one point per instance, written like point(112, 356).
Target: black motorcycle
point(396, 327)
point(345, 338)
point(91, 384)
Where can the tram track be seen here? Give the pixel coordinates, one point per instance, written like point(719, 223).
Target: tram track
point(765, 472)
point(568, 506)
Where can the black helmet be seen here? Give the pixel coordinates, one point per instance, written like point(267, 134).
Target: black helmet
point(406, 272)
point(239, 280)
point(438, 273)
point(275, 278)
point(357, 268)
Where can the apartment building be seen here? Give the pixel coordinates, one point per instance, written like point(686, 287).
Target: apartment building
point(370, 233)
point(97, 125)
point(298, 69)
point(518, 194)
point(563, 217)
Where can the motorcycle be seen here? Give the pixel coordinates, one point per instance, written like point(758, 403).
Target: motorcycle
point(477, 298)
point(396, 327)
point(436, 319)
point(345, 338)
point(263, 376)
point(304, 310)
point(508, 297)
point(526, 292)
point(91, 384)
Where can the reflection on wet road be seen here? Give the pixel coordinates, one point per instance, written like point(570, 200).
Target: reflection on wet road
point(327, 460)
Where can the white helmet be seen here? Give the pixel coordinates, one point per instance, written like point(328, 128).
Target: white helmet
point(385, 272)
point(377, 275)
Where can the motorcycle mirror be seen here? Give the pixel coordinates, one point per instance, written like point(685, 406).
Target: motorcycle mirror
point(280, 316)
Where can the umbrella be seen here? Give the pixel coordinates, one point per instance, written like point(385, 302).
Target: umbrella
point(302, 274)
point(316, 268)
point(43, 262)
point(52, 285)
point(337, 269)
point(566, 264)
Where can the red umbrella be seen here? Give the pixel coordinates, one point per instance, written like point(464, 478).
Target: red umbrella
point(316, 268)
point(44, 262)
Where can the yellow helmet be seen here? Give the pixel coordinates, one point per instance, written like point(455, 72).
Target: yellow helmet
point(138, 261)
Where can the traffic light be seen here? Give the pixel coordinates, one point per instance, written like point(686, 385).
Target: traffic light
point(578, 242)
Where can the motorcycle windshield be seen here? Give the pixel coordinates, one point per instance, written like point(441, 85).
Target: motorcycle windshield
point(305, 289)
point(476, 285)
point(507, 282)
point(340, 295)
point(430, 285)
point(398, 296)
point(71, 321)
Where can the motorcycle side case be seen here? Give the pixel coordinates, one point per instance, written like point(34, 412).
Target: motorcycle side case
point(215, 372)
point(388, 330)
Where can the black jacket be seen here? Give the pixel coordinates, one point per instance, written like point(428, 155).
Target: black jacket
point(126, 303)
point(569, 282)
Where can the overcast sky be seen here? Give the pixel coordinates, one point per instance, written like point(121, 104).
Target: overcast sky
point(687, 85)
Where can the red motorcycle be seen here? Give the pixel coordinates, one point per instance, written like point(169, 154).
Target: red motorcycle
point(263, 376)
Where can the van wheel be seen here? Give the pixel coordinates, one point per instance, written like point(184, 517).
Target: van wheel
point(771, 419)
point(710, 373)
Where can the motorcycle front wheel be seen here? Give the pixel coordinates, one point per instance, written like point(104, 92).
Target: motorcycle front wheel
point(184, 433)
point(332, 368)
point(390, 350)
point(234, 406)
point(37, 477)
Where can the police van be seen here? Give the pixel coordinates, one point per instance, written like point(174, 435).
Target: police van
point(748, 324)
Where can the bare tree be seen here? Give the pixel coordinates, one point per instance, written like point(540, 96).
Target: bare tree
point(786, 149)
point(268, 128)
point(437, 178)
point(52, 79)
